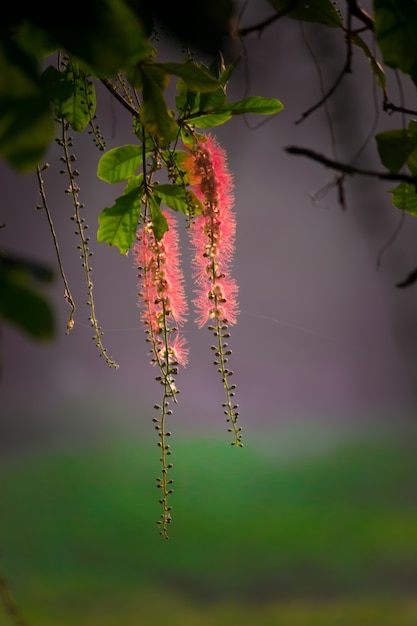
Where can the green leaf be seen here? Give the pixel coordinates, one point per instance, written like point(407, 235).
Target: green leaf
point(395, 30)
point(394, 148)
point(376, 67)
point(412, 158)
point(118, 224)
point(154, 113)
point(79, 108)
point(228, 71)
point(215, 100)
point(26, 120)
point(159, 221)
point(210, 120)
point(254, 104)
point(404, 197)
point(119, 164)
point(56, 85)
point(179, 198)
point(398, 147)
point(319, 11)
point(21, 303)
point(196, 77)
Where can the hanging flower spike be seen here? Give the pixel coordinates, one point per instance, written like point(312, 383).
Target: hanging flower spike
point(164, 307)
point(213, 240)
point(161, 295)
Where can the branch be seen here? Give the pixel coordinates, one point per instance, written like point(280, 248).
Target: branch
point(389, 107)
point(67, 293)
point(118, 97)
point(409, 280)
point(360, 14)
point(260, 26)
point(349, 169)
point(346, 69)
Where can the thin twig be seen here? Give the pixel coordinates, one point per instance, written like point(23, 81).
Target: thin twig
point(389, 107)
point(349, 169)
point(360, 13)
point(346, 69)
point(119, 97)
point(67, 293)
point(390, 241)
point(259, 27)
point(73, 190)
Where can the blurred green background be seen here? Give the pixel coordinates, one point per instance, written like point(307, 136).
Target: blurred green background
point(308, 525)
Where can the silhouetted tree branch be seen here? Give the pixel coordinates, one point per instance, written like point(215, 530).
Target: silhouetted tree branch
point(349, 169)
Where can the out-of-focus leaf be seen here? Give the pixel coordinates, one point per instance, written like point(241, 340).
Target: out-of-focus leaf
point(21, 302)
point(26, 121)
point(56, 85)
point(404, 197)
point(196, 77)
point(412, 157)
point(399, 147)
point(119, 164)
point(319, 11)
point(395, 147)
point(154, 112)
point(395, 30)
point(201, 23)
point(376, 67)
point(118, 224)
point(107, 35)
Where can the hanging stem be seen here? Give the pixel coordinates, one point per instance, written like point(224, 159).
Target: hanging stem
point(73, 190)
point(67, 293)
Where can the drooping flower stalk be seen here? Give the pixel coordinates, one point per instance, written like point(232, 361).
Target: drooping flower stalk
point(164, 308)
point(213, 240)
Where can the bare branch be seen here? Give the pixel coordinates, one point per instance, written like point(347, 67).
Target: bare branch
point(360, 13)
point(260, 26)
point(349, 169)
point(346, 69)
point(119, 97)
point(389, 107)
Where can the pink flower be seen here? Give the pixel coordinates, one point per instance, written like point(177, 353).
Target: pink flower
point(213, 234)
point(162, 296)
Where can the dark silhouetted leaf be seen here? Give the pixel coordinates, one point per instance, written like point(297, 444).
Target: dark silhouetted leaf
point(196, 77)
point(26, 121)
point(395, 29)
point(154, 112)
point(21, 302)
point(319, 11)
point(395, 147)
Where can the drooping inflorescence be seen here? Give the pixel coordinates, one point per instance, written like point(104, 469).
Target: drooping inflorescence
point(161, 288)
point(213, 240)
point(164, 308)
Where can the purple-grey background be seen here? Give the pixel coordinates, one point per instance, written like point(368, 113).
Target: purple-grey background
point(323, 334)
